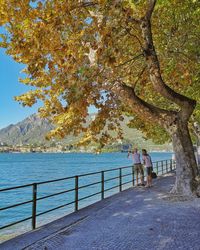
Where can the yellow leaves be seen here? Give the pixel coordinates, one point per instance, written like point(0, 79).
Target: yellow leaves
point(26, 23)
point(86, 139)
point(131, 4)
point(30, 97)
point(25, 80)
point(135, 9)
point(3, 41)
point(64, 118)
point(4, 16)
point(58, 132)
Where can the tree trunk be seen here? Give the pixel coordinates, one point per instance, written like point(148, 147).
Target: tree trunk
point(196, 127)
point(187, 176)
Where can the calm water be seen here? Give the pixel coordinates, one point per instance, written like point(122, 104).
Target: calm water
point(20, 169)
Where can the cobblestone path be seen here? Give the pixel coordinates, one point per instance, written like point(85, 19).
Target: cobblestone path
point(136, 219)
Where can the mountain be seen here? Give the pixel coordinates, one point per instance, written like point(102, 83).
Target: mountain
point(29, 131)
point(33, 129)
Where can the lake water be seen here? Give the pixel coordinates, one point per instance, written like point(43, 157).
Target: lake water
point(19, 169)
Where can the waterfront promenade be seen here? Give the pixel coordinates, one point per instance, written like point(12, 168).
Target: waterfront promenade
point(137, 218)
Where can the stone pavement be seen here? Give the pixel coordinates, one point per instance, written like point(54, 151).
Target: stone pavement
point(135, 219)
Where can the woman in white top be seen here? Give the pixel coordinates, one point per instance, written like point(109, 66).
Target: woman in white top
point(148, 165)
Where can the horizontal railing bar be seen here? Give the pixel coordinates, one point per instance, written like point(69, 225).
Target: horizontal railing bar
point(108, 170)
point(14, 223)
point(91, 173)
point(111, 188)
point(61, 179)
point(113, 178)
point(70, 177)
point(126, 175)
point(48, 211)
point(91, 184)
point(16, 187)
point(51, 195)
point(55, 180)
point(162, 160)
point(127, 182)
point(16, 205)
point(83, 198)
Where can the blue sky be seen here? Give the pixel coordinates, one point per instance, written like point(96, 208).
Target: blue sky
point(10, 110)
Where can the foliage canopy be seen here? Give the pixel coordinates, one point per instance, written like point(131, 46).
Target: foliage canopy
point(77, 52)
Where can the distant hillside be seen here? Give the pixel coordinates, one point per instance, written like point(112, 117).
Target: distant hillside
point(33, 129)
point(30, 130)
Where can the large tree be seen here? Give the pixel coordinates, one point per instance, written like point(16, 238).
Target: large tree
point(138, 57)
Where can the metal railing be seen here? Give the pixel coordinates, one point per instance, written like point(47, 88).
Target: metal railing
point(160, 167)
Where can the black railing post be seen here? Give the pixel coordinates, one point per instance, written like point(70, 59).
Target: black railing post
point(133, 177)
point(171, 165)
point(102, 185)
point(34, 205)
point(166, 166)
point(76, 193)
point(162, 166)
point(120, 180)
point(157, 168)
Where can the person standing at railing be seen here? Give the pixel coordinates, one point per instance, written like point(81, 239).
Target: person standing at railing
point(138, 168)
point(149, 167)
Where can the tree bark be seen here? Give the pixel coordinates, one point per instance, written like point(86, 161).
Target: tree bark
point(196, 128)
point(187, 176)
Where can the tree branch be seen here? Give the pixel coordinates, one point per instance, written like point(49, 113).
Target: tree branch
point(133, 20)
point(132, 59)
point(150, 9)
point(128, 31)
point(187, 105)
point(140, 107)
point(139, 76)
point(84, 4)
point(88, 4)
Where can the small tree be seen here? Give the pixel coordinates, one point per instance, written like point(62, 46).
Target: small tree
point(135, 57)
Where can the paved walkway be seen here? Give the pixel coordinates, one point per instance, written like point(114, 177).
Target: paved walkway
point(136, 219)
